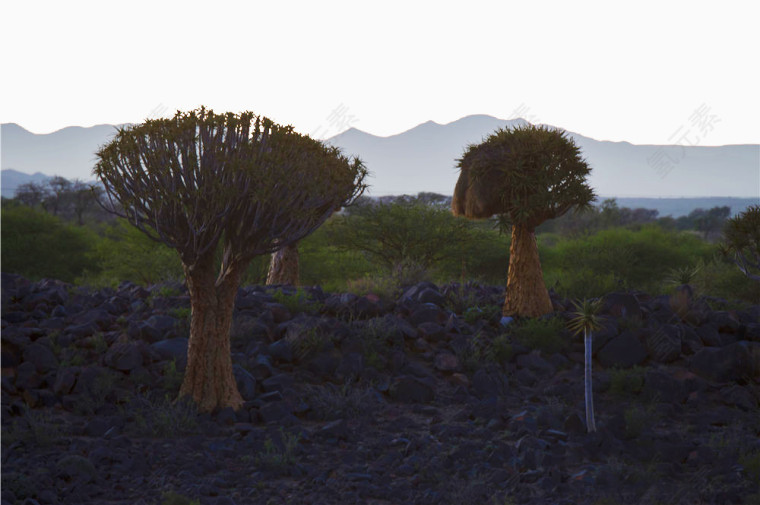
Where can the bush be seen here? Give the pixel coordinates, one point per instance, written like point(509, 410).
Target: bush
point(720, 278)
point(544, 334)
point(124, 253)
point(620, 258)
point(38, 245)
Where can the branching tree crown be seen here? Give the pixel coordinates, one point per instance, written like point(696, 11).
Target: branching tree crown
point(526, 175)
point(199, 177)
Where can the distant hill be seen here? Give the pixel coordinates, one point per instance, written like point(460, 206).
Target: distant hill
point(12, 179)
point(424, 159)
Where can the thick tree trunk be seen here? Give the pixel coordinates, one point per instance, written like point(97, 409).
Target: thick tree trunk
point(590, 424)
point(283, 269)
point(209, 380)
point(527, 295)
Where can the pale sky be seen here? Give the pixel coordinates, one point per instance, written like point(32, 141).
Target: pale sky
point(645, 72)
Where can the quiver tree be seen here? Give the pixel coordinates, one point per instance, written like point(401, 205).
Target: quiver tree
point(283, 266)
point(201, 181)
point(524, 175)
point(741, 236)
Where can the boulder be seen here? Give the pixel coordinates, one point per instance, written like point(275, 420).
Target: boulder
point(489, 381)
point(664, 343)
point(723, 364)
point(622, 305)
point(246, 384)
point(42, 357)
point(623, 351)
point(173, 349)
point(411, 390)
point(124, 356)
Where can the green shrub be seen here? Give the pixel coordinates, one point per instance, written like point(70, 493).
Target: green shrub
point(544, 334)
point(172, 498)
point(751, 464)
point(621, 258)
point(38, 245)
point(296, 302)
point(624, 382)
point(720, 278)
point(279, 458)
point(124, 253)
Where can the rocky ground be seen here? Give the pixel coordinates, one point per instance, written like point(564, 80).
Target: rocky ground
point(426, 399)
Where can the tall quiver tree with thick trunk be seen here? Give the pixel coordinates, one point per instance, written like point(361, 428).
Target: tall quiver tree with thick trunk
point(525, 175)
point(200, 181)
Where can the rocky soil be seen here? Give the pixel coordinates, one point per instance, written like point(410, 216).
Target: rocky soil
point(427, 399)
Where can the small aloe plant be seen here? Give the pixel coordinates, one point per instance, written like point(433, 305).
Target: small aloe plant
point(586, 319)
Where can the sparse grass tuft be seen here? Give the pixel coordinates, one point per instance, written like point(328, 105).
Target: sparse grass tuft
point(625, 382)
point(348, 401)
point(154, 416)
point(280, 457)
point(172, 498)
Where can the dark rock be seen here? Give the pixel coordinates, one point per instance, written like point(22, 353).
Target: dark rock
point(41, 356)
point(82, 330)
point(428, 314)
point(660, 385)
point(324, 364)
point(53, 323)
point(489, 381)
point(246, 383)
point(274, 412)
point(226, 416)
point(536, 363)
point(574, 424)
point(261, 368)
point(76, 468)
point(124, 356)
point(724, 364)
point(664, 343)
point(740, 397)
point(280, 382)
point(622, 305)
point(27, 376)
point(99, 426)
point(709, 335)
point(724, 321)
point(173, 349)
point(431, 332)
point(351, 366)
point(429, 295)
point(623, 351)
point(282, 350)
point(337, 429)
point(99, 317)
point(446, 362)
point(690, 341)
point(411, 390)
point(752, 332)
point(158, 327)
point(65, 380)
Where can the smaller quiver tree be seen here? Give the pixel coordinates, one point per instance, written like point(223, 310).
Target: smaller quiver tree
point(202, 180)
point(525, 175)
point(283, 266)
point(741, 241)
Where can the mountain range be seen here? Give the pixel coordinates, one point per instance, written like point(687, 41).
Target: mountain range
point(424, 158)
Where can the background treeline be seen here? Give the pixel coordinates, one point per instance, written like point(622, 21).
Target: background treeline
point(381, 244)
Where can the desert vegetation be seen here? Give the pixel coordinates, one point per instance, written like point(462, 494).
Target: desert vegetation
point(390, 373)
